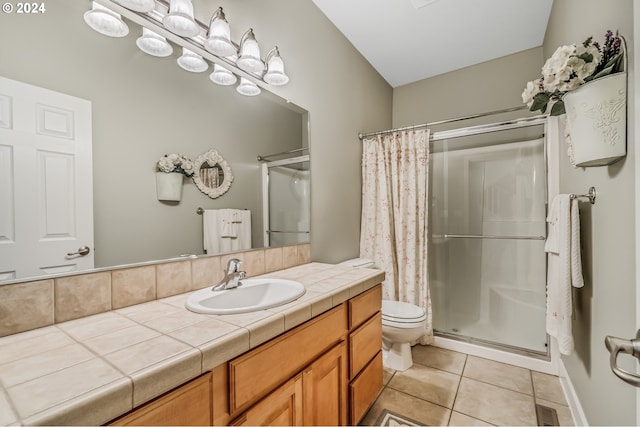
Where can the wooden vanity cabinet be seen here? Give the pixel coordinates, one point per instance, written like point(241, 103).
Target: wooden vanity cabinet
point(282, 407)
point(365, 352)
point(316, 351)
point(325, 389)
point(327, 371)
point(187, 405)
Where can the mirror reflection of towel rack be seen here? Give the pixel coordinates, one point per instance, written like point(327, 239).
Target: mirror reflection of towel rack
point(591, 195)
point(287, 231)
point(200, 211)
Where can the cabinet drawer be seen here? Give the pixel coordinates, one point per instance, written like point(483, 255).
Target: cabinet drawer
point(364, 389)
point(259, 371)
point(364, 306)
point(189, 405)
point(364, 343)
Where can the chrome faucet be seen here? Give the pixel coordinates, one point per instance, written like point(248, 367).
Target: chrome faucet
point(232, 277)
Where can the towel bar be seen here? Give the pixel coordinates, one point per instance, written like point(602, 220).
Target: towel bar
point(474, 236)
point(287, 231)
point(591, 195)
point(200, 211)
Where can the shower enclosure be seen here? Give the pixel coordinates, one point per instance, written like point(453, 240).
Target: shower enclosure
point(487, 265)
point(286, 201)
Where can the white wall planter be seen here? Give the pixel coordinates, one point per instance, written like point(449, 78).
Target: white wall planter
point(169, 186)
point(597, 121)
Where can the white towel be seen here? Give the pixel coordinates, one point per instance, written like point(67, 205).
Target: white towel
point(552, 245)
point(213, 241)
point(228, 222)
point(564, 269)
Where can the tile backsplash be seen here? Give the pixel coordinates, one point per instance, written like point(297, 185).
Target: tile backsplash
point(35, 304)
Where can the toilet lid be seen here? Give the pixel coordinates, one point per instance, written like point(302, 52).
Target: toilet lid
point(398, 311)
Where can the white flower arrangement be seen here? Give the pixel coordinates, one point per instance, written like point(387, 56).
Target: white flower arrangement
point(570, 67)
point(176, 163)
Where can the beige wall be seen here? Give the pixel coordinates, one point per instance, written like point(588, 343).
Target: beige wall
point(606, 305)
point(489, 86)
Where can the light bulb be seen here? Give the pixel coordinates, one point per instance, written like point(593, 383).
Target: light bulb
point(247, 88)
point(180, 20)
point(153, 44)
point(222, 76)
point(105, 21)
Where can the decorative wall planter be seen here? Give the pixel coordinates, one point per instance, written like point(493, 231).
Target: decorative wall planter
point(169, 186)
point(597, 121)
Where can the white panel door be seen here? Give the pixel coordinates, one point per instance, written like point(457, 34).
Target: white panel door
point(46, 185)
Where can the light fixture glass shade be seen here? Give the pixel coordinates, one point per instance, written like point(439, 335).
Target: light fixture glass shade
point(248, 88)
point(249, 59)
point(222, 76)
point(219, 40)
point(191, 61)
point(275, 74)
point(153, 44)
point(138, 5)
point(105, 21)
point(180, 19)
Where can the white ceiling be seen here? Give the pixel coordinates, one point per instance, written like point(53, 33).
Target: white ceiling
point(410, 40)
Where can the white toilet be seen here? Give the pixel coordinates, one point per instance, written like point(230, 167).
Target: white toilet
point(402, 323)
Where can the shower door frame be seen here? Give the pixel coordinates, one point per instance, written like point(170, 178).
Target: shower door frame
point(511, 354)
point(265, 192)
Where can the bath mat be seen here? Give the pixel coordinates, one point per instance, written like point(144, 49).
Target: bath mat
point(388, 418)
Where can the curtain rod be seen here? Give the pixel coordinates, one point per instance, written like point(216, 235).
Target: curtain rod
point(361, 136)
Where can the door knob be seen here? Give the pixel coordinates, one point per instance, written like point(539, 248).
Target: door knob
point(620, 345)
point(82, 251)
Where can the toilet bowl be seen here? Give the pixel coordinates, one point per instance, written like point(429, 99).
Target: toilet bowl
point(402, 323)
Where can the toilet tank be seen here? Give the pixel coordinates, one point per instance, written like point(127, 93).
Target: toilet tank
point(359, 262)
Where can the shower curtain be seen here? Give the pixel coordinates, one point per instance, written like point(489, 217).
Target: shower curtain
point(394, 215)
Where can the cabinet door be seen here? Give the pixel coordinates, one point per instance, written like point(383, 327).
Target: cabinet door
point(282, 407)
point(325, 389)
point(188, 405)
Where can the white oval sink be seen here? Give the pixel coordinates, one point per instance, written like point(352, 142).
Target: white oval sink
point(252, 295)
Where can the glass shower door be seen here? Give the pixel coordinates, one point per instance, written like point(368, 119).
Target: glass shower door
point(287, 219)
point(487, 260)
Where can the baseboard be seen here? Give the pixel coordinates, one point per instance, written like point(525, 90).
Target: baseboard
point(579, 417)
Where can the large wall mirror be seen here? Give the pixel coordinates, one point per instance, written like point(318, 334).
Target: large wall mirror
point(144, 107)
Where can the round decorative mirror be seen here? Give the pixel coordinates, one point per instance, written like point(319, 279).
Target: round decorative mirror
point(212, 174)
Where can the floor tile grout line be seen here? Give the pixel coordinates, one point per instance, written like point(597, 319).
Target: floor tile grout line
point(455, 397)
point(419, 398)
point(440, 369)
point(499, 386)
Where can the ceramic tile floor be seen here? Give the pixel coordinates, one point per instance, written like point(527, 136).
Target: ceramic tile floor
point(444, 387)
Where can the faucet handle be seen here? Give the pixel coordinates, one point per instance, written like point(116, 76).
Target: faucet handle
point(232, 265)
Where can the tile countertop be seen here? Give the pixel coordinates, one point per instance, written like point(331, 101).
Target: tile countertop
point(91, 370)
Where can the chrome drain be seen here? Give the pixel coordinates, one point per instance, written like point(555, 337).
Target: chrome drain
point(546, 416)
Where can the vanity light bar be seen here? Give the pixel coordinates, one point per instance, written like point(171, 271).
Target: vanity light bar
point(153, 21)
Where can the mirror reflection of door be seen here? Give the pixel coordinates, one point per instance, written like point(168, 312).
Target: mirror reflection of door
point(211, 176)
point(46, 185)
